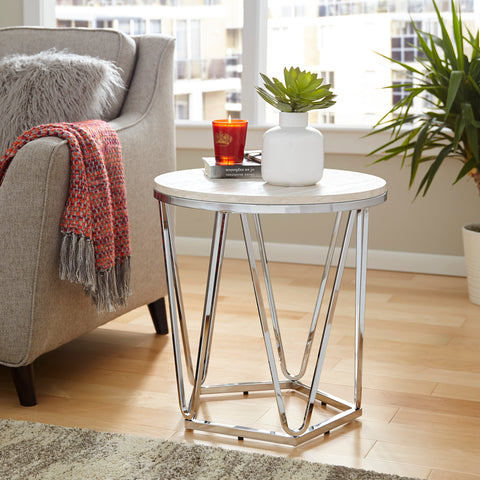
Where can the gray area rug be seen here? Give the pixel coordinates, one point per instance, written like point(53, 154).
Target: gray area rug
point(34, 451)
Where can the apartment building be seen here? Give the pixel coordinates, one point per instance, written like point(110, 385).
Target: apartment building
point(342, 40)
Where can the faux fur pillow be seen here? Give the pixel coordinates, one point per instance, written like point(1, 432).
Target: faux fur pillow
point(51, 87)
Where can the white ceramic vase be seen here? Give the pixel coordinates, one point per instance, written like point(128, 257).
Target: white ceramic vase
point(292, 153)
point(471, 247)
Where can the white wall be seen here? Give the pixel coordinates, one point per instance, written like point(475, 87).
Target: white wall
point(11, 13)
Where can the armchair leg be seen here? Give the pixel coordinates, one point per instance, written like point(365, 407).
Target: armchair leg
point(24, 384)
point(158, 312)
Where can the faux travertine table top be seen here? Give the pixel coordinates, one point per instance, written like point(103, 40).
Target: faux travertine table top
point(336, 186)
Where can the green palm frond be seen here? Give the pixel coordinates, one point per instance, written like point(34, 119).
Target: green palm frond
point(449, 82)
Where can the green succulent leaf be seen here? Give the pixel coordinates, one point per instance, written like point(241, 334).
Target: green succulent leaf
point(301, 91)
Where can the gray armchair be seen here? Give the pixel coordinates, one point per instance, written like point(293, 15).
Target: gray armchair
point(38, 311)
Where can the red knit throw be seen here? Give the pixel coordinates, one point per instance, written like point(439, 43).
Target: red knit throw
point(95, 250)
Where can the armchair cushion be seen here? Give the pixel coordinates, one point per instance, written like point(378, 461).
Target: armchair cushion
point(51, 87)
point(108, 44)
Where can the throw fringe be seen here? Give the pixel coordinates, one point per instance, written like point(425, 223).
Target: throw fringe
point(108, 288)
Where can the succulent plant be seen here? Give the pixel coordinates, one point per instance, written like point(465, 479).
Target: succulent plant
point(301, 92)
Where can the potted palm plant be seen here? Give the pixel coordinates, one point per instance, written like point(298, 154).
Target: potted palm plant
point(447, 79)
point(292, 153)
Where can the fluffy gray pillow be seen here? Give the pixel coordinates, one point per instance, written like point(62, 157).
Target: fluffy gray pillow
point(51, 87)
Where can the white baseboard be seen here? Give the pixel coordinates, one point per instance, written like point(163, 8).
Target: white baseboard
point(315, 255)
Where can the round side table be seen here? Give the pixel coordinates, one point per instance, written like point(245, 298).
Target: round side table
point(344, 192)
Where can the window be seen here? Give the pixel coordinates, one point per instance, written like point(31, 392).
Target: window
point(181, 107)
point(400, 78)
point(104, 23)
point(216, 52)
point(404, 41)
point(155, 26)
point(208, 51)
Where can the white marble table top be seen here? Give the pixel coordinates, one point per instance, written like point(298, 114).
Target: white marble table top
point(335, 186)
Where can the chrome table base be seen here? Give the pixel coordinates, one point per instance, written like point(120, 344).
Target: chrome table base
point(197, 373)
point(348, 412)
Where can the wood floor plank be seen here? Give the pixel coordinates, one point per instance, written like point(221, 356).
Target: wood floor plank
point(446, 475)
point(426, 456)
point(421, 373)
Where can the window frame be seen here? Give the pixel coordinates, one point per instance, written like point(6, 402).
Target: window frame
point(190, 134)
point(39, 12)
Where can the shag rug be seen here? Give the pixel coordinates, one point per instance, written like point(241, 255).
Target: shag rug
point(34, 451)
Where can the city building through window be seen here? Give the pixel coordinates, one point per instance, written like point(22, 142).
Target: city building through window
point(341, 40)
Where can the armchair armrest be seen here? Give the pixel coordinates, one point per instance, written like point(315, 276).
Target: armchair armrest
point(32, 198)
point(34, 302)
point(148, 110)
point(146, 128)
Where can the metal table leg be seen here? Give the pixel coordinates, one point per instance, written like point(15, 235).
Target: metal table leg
point(360, 286)
point(290, 435)
point(176, 305)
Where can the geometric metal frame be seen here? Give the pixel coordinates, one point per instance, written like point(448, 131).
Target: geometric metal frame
point(357, 212)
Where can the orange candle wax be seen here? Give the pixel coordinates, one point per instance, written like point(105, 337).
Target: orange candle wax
point(229, 140)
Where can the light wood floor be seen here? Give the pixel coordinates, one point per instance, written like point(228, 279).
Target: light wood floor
point(421, 396)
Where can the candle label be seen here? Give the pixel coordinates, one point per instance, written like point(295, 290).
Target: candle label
point(229, 140)
point(223, 138)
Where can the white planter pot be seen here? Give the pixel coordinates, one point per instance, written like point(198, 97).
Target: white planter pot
point(292, 153)
point(471, 247)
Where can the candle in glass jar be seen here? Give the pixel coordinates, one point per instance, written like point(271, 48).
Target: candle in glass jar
point(229, 140)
